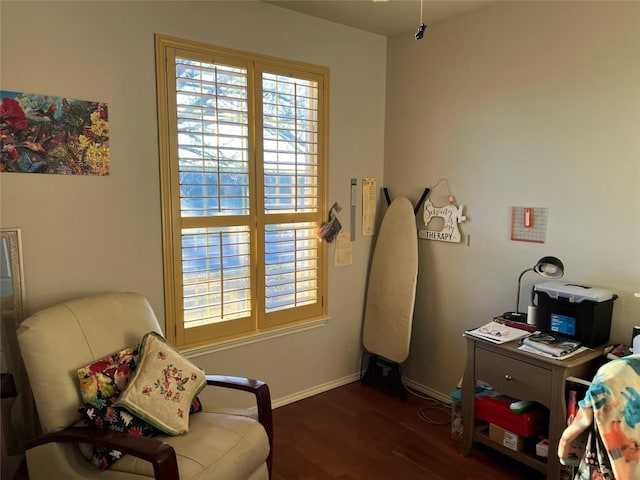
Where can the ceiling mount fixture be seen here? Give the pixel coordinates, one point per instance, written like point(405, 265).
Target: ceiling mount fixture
point(422, 27)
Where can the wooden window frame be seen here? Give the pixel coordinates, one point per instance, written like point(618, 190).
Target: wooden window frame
point(173, 223)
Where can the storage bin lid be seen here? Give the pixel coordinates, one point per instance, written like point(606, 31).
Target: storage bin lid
point(573, 292)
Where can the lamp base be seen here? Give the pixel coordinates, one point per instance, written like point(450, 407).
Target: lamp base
point(515, 316)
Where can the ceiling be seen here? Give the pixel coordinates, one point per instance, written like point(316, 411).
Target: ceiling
point(379, 16)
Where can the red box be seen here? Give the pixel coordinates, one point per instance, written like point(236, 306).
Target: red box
point(496, 409)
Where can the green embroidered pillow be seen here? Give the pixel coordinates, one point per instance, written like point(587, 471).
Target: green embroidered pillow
point(163, 386)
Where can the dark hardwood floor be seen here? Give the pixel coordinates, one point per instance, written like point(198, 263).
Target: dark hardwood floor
point(356, 432)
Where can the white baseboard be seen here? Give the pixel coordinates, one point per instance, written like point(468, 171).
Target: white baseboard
point(324, 387)
point(427, 391)
point(310, 392)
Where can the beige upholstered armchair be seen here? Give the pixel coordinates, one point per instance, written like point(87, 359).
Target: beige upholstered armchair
point(57, 341)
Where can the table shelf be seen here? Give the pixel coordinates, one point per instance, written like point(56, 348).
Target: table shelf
point(481, 435)
point(525, 376)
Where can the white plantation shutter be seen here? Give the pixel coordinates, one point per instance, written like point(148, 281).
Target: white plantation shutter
point(212, 126)
point(290, 131)
point(290, 169)
point(292, 266)
point(216, 272)
point(243, 182)
point(213, 138)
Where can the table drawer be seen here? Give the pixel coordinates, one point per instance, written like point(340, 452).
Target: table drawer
point(512, 377)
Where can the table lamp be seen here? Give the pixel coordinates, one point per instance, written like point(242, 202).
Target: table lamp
point(547, 267)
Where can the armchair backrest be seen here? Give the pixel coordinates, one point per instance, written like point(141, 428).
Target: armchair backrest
point(55, 342)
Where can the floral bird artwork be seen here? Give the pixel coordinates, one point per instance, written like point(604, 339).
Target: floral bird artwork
point(59, 135)
point(40, 113)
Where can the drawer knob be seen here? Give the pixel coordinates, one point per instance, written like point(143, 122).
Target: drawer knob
point(508, 377)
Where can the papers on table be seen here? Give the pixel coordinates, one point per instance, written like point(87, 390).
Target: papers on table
point(555, 346)
point(497, 333)
point(526, 348)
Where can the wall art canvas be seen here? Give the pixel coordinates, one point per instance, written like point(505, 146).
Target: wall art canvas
point(47, 134)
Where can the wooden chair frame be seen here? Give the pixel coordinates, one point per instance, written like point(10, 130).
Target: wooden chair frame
point(162, 455)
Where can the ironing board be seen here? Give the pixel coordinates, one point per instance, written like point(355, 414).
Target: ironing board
point(392, 284)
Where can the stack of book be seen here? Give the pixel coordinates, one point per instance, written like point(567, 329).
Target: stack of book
point(515, 324)
point(550, 345)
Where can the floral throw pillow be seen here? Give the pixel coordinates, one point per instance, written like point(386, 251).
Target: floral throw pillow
point(121, 420)
point(100, 385)
point(115, 418)
point(163, 386)
point(107, 377)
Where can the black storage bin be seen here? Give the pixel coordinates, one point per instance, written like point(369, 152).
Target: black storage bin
point(574, 311)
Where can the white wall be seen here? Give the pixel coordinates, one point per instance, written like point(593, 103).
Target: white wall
point(533, 104)
point(518, 104)
point(82, 235)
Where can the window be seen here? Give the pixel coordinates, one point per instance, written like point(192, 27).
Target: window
point(243, 147)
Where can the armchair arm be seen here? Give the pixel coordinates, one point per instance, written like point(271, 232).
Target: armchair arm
point(161, 455)
point(263, 401)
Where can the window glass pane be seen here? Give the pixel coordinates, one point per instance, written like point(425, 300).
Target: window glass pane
point(291, 270)
point(216, 274)
point(290, 132)
point(213, 138)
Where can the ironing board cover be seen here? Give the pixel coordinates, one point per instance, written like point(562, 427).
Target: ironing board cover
point(609, 416)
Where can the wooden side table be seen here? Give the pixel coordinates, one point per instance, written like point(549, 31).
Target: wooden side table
point(525, 376)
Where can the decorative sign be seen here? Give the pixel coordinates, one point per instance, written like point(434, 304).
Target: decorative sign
point(451, 214)
point(45, 134)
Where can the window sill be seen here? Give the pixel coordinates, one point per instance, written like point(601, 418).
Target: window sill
point(254, 338)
